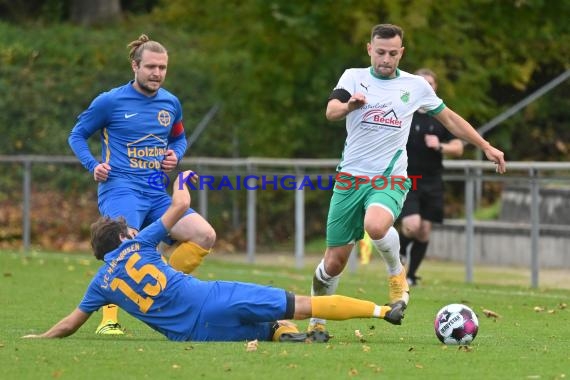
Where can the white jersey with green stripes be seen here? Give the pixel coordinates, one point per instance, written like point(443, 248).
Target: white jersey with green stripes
point(378, 131)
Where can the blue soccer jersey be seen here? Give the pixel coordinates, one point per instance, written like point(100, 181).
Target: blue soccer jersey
point(136, 131)
point(135, 278)
point(180, 306)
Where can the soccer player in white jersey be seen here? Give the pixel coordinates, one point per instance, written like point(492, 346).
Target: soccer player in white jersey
point(378, 103)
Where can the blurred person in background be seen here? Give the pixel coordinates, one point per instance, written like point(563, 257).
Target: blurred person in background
point(427, 143)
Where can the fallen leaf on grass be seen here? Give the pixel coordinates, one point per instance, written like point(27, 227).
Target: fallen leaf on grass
point(374, 367)
point(359, 335)
point(490, 313)
point(251, 346)
point(538, 309)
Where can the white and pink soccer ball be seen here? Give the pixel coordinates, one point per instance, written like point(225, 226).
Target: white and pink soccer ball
point(456, 324)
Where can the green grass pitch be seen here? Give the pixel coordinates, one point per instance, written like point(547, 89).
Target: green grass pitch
point(530, 339)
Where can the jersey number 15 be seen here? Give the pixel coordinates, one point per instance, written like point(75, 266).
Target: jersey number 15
point(138, 275)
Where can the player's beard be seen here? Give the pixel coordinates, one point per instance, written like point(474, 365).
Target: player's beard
point(149, 90)
point(384, 71)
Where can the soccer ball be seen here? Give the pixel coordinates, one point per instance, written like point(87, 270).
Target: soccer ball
point(456, 324)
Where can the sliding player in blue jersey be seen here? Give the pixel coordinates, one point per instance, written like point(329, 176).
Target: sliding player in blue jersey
point(142, 136)
point(184, 308)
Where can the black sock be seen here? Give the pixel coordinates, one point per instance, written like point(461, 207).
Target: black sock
point(417, 254)
point(404, 242)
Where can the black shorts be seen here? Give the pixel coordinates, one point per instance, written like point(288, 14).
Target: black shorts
point(426, 200)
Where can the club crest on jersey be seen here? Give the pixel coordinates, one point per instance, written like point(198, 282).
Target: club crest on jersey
point(405, 96)
point(164, 118)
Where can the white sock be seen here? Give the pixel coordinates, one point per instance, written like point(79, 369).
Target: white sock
point(377, 310)
point(389, 248)
point(328, 287)
point(330, 282)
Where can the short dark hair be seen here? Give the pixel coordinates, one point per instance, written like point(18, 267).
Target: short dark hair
point(386, 31)
point(106, 235)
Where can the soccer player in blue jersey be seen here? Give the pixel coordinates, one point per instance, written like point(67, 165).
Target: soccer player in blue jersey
point(183, 308)
point(142, 135)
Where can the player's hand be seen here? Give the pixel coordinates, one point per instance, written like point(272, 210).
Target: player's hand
point(192, 175)
point(432, 141)
point(498, 157)
point(356, 101)
point(169, 162)
point(29, 336)
point(101, 172)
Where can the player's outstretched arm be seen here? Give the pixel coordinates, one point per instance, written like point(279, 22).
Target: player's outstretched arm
point(461, 128)
point(66, 327)
point(180, 200)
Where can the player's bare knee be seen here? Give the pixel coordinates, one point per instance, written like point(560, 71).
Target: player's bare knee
point(208, 238)
point(424, 232)
point(377, 231)
point(204, 236)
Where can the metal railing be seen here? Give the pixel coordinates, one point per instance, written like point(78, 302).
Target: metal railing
point(536, 174)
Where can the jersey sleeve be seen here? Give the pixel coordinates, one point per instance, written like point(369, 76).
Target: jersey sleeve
point(431, 103)
point(177, 138)
point(88, 122)
point(93, 298)
point(347, 82)
point(153, 234)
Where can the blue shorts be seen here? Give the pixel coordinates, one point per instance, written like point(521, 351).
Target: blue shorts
point(238, 311)
point(138, 207)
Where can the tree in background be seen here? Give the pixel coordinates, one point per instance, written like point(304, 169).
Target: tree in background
point(80, 12)
point(95, 12)
point(274, 63)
